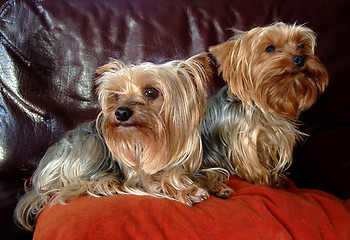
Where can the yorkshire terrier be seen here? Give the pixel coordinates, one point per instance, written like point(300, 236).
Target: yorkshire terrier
point(145, 141)
point(250, 125)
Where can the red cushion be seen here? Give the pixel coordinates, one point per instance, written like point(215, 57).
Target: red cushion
point(253, 212)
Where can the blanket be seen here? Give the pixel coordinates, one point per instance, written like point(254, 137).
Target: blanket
point(252, 212)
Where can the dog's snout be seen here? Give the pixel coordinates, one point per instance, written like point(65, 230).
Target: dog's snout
point(299, 60)
point(123, 113)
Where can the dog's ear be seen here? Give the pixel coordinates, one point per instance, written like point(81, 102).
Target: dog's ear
point(208, 64)
point(105, 72)
point(222, 51)
point(113, 65)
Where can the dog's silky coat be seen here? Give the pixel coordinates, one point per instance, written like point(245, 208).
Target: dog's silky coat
point(145, 141)
point(250, 126)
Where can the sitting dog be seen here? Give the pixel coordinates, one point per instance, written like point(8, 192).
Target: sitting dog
point(145, 141)
point(250, 126)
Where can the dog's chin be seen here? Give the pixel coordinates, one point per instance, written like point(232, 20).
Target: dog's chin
point(136, 145)
point(135, 130)
point(287, 94)
point(282, 88)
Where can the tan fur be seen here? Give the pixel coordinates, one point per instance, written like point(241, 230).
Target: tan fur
point(272, 81)
point(155, 151)
point(257, 126)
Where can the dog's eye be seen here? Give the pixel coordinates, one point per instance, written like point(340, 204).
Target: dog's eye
point(116, 96)
point(300, 46)
point(151, 93)
point(270, 49)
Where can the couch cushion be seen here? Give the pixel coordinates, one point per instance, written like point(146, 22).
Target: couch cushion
point(253, 212)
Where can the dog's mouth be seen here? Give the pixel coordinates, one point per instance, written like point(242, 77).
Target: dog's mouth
point(127, 125)
point(130, 126)
point(295, 74)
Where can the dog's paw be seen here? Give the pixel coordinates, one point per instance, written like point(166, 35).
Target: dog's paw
point(224, 193)
point(197, 196)
point(221, 190)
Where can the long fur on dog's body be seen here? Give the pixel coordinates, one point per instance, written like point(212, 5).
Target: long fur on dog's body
point(146, 140)
point(250, 126)
point(67, 172)
point(242, 133)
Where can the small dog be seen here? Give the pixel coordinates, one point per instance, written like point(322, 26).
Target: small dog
point(145, 141)
point(250, 125)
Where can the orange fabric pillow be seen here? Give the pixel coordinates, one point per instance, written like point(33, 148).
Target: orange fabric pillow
point(253, 212)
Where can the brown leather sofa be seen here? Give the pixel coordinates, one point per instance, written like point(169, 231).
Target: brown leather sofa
point(49, 51)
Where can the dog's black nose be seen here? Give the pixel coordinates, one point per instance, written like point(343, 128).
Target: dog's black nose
point(123, 113)
point(299, 60)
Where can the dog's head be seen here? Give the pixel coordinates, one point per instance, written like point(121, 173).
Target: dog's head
point(152, 113)
point(273, 67)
